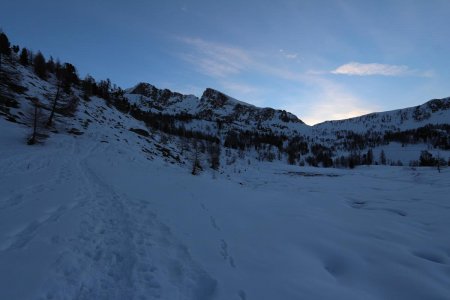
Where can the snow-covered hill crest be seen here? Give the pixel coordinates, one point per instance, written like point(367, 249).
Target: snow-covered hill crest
point(212, 106)
point(214, 117)
point(104, 204)
point(436, 111)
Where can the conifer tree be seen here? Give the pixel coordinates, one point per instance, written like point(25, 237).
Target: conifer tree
point(87, 86)
point(369, 157)
point(196, 166)
point(23, 58)
point(57, 66)
point(5, 49)
point(67, 75)
point(4, 45)
point(51, 65)
point(40, 67)
point(382, 157)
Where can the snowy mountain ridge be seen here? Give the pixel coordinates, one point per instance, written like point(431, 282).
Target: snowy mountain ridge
point(376, 130)
point(212, 106)
point(218, 118)
point(102, 202)
point(435, 111)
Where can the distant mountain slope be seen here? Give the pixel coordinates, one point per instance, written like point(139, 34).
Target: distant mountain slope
point(211, 106)
point(214, 105)
point(105, 205)
point(436, 111)
point(218, 120)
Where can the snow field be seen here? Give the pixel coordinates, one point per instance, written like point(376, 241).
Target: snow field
point(81, 219)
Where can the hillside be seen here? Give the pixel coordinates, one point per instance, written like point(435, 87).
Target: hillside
point(434, 112)
point(101, 202)
point(217, 120)
point(92, 217)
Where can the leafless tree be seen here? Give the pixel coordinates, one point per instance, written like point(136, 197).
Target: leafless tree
point(54, 104)
point(35, 118)
point(63, 104)
point(214, 155)
point(196, 166)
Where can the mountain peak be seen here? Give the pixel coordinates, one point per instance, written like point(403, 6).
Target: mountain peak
point(142, 88)
point(216, 98)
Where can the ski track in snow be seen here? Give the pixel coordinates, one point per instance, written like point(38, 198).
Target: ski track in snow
point(276, 233)
point(121, 249)
point(91, 217)
point(23, 236)
point(114, 255)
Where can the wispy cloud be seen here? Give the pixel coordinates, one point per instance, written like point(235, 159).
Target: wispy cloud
point(326, 99)
point(355, 68)
point(214, 59)
point(219, 60)
point(361, 69)
point(289, 55)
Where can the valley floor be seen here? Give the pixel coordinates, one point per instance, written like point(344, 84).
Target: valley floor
point(81, 219)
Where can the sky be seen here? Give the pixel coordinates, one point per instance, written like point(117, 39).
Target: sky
point(321, 60)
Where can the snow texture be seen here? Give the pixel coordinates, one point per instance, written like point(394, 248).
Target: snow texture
point(108, 212)
point(85, 219)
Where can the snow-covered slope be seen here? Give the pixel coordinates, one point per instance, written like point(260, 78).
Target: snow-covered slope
point(106, 206)
point(436, 111)
point(82, 219)
point(212, 106)
point(219, 115)
point(344, 136)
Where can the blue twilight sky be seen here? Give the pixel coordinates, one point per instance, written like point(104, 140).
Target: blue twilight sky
point(319, 59)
